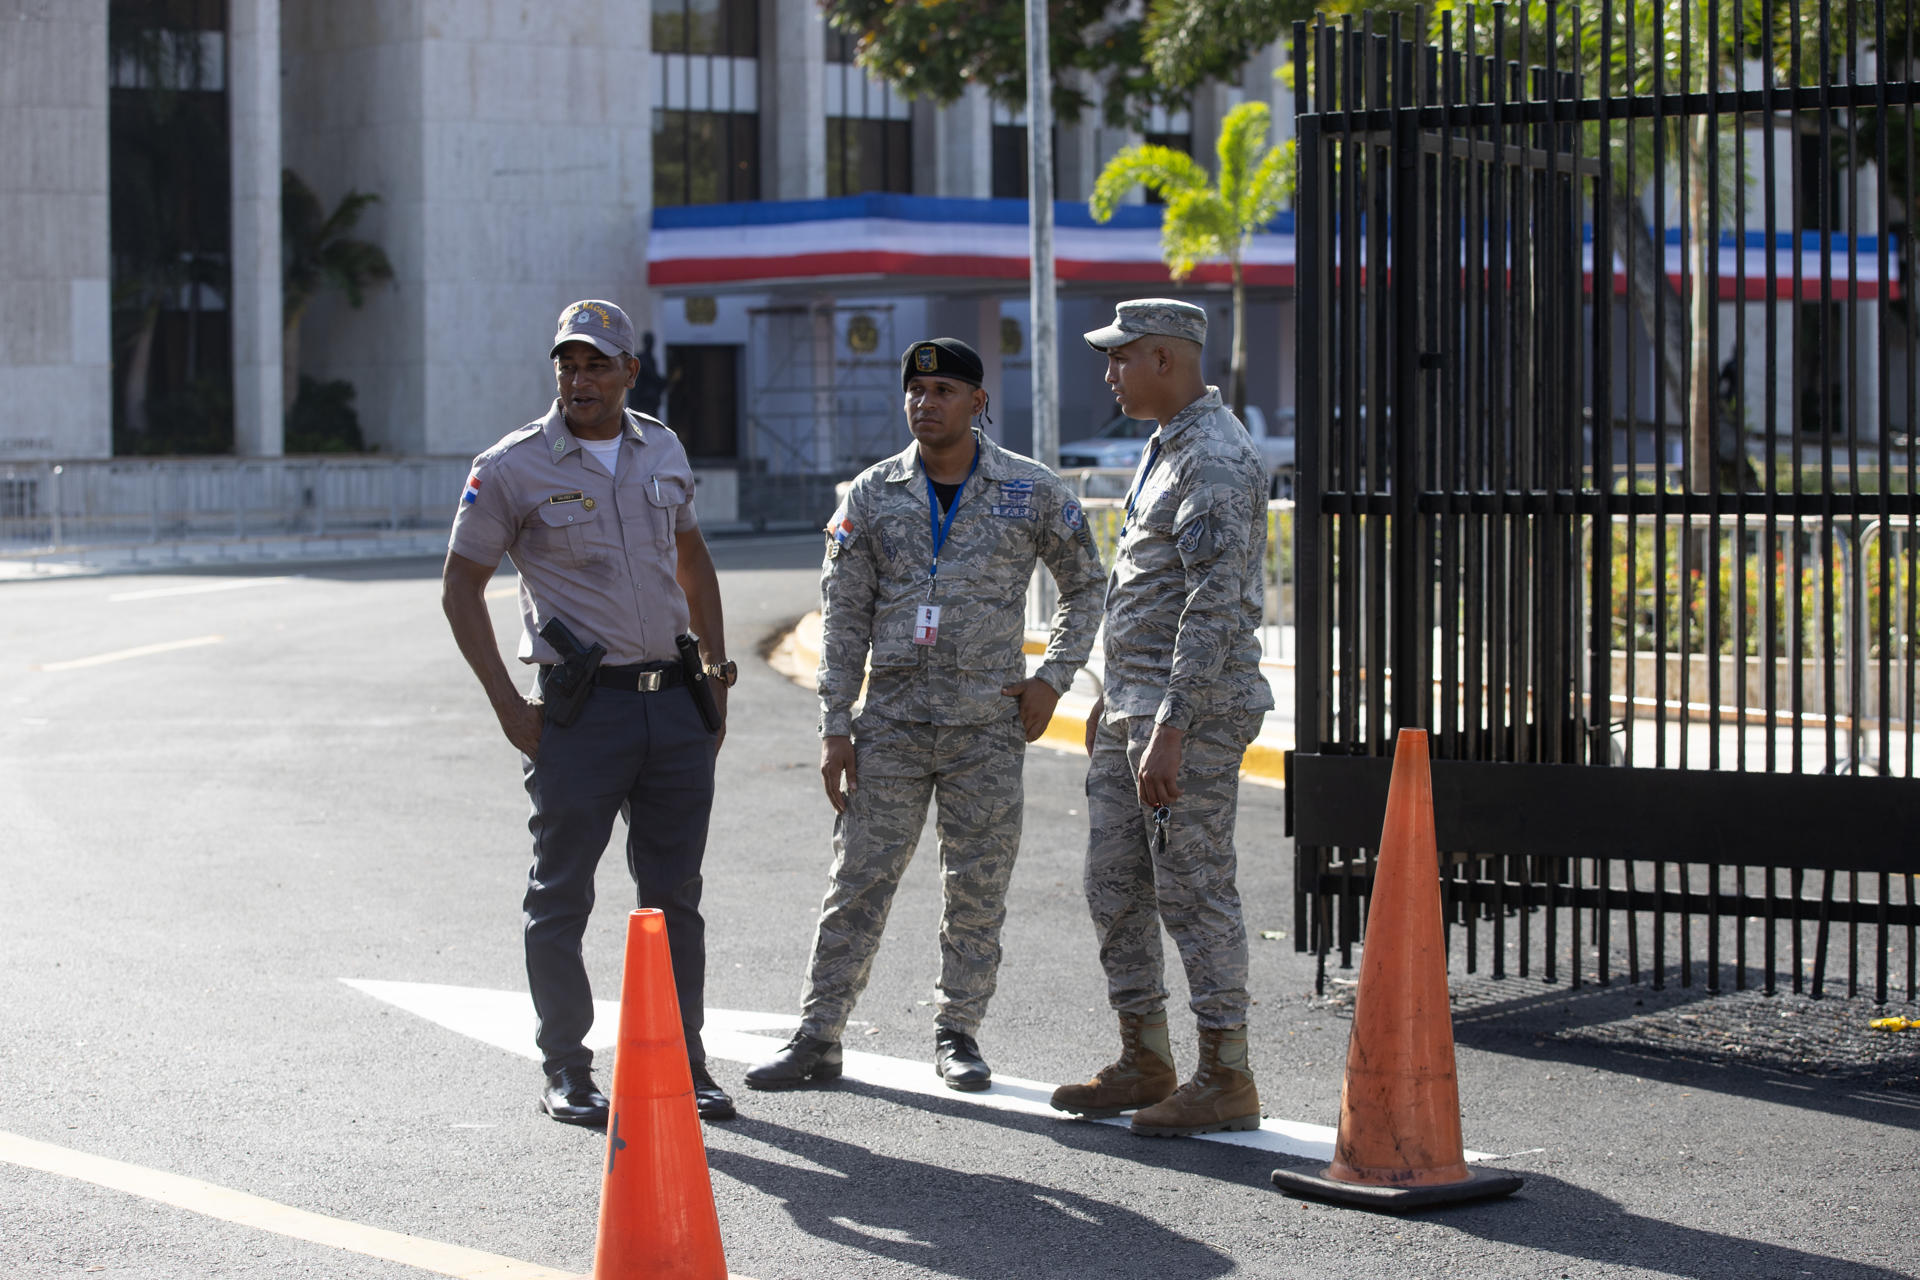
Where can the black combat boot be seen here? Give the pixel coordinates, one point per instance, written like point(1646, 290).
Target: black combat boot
point(803, 1060)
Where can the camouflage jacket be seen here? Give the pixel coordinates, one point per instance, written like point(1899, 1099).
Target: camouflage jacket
point(1011, 512)
point(1188, 591)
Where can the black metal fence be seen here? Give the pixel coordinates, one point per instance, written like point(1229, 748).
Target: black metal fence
point(1607, 389)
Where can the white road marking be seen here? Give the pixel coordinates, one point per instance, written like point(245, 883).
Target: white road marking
point(501, 593)
point(504, 1019)
point(198, 589)
point(212, 1201)
point(121, 655)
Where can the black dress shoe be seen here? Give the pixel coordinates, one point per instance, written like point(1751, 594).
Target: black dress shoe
point(957, 1060)
point(571, 1097)
point(801, 1060)
point(711, 1100)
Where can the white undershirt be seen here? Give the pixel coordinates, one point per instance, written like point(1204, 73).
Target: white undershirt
point(608, 451)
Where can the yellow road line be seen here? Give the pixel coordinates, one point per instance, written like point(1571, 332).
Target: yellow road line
point(265, 1215)
point(121, 655)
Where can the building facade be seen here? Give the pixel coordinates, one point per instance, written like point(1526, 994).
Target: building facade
point(521, 157)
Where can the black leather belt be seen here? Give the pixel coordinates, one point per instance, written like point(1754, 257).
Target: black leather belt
point(647, 679)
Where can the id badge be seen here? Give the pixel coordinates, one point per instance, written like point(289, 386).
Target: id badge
point(926, 624)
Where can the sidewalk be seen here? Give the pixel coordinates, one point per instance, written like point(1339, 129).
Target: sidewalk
point(798, 653)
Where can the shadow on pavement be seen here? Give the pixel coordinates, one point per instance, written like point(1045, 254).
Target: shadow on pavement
point(1558, 1217)
point(969, 1225)
point(1244, 1166)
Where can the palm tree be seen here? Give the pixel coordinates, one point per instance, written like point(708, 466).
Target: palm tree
point(317, 252)
point(1203, 220)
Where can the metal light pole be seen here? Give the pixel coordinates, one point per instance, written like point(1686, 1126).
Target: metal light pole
point(1040, 292)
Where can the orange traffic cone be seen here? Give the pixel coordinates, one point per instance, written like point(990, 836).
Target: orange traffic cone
point(1399, 1146)
point(656, 1200)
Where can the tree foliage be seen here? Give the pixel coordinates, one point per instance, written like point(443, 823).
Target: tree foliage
point(1203, 219)
point(318, 251)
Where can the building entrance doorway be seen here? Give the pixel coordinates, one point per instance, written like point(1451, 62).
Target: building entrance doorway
point(703, 400)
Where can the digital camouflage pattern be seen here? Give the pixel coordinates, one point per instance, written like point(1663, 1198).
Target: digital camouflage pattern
point(1143, 316)
point(973, 771)
point(1011, 512)
point(1132, 887)
point(935, 724)
point(1188, 590)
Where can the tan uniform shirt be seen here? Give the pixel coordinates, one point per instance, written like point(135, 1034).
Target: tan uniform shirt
point(1010, 513)
point(595, 550)
point(1189, 583)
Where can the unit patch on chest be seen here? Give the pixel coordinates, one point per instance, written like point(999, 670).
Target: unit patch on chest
point(1015, 501)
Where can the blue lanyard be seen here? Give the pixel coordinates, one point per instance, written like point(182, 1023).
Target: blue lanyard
point(1146, 469)
point(935, 524)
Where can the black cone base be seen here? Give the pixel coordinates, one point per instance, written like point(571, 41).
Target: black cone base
point(1481, 1184)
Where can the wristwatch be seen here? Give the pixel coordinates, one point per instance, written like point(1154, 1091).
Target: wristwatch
point(725, 672)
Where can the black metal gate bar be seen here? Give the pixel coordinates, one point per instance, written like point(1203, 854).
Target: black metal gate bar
point(1499, 465)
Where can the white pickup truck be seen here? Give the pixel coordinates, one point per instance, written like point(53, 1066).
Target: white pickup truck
point(1117, 446)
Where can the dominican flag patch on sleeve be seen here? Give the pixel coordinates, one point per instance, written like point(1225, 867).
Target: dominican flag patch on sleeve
point(472, 490)
point(840, 526)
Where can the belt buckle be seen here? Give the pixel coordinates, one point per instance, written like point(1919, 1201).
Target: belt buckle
point(650, 681)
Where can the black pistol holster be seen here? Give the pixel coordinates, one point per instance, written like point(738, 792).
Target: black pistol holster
point(568, 683)
point(696, 674)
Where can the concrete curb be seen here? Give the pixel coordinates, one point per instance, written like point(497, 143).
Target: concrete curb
point(798, 654)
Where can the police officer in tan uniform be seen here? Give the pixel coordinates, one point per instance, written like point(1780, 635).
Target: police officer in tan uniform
point(927, 566)
point(594, 506)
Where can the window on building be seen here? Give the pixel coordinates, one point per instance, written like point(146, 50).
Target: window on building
point(869, 131)
point(705, 157)
point(706, 125)
point(868, 155)
point(703, 399)
point(1010, 154)
point(170, 220)
point(713, 28)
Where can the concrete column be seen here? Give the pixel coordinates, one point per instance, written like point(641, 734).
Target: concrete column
point(1211, 102)
point(987, 326)
point(1261, 85)
point(56, 324)
point(511, 147)
point(793, 101)
point(953, 147)
point(253, 111)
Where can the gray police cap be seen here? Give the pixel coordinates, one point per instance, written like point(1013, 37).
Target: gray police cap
point(593, 321)
point(1142, 316)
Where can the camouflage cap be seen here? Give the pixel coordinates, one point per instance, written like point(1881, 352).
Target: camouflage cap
point(944, 358)
point(1141, 316)
point(602, 324)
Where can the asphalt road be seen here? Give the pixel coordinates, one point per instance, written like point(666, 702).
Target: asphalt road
point(267, 785)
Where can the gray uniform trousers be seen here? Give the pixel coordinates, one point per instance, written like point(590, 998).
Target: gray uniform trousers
point(973, 772)
point(1189, 885)
point(649, 754)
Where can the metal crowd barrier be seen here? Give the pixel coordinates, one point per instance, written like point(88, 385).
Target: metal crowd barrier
point(46, 506)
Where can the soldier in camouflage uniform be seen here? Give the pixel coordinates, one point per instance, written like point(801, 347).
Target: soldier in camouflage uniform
point(927, 566)
point(1183, 697)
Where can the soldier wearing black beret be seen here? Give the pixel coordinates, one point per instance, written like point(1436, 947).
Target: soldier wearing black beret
point(927, 565)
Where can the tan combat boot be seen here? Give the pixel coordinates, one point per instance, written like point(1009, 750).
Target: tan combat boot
point(1220, 1095)
point(1143, 1075)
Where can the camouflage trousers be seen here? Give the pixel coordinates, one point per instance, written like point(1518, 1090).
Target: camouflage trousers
point(972, 773)
point(1132, 887)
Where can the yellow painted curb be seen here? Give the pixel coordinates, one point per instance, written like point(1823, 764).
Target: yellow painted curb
point(797, 655)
